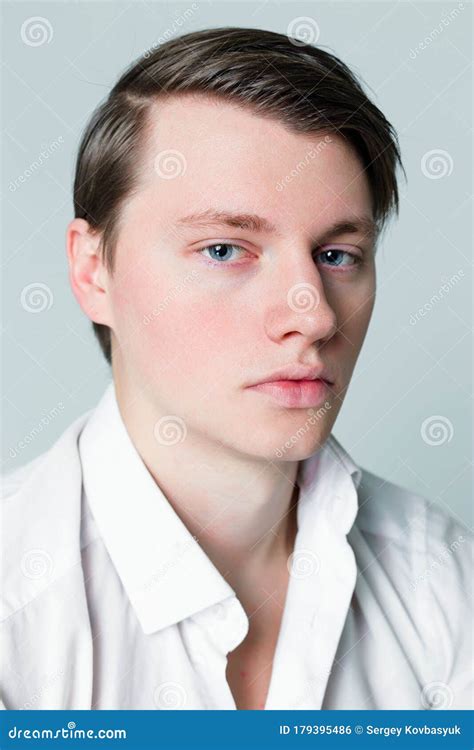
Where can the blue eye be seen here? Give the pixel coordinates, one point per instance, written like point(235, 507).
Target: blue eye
point(221, 251)
point(336, 256)
point(224, 253)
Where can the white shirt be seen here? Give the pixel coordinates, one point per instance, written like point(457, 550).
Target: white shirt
point(110, 603)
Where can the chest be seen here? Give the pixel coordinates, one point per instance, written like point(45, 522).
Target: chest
point(249, 670)
point(249, 666)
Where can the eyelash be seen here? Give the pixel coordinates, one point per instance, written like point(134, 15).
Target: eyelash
point(357, 260)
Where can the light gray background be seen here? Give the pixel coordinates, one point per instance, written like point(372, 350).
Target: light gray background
point(407, 373)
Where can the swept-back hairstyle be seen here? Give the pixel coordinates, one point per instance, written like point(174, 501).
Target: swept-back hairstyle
point(301, 85)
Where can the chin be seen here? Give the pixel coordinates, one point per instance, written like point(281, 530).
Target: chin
point(289, 445)
point(296, 452)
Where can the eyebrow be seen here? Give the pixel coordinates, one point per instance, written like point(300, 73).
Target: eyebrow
point(212, 216)
point(364, 225)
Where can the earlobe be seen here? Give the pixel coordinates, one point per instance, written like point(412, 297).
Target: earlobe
point(87, 274)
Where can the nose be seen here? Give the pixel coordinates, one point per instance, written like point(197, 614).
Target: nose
point(298, 304)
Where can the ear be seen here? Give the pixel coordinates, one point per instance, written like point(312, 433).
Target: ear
point(87, 274)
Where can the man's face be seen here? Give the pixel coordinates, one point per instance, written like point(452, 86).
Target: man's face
point(197, 324)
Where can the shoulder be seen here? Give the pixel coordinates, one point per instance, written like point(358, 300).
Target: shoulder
point(414, 560)
point(393, 516)
point(41, 520)
point(12, 481)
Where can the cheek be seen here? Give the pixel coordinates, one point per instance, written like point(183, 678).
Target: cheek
point(167, 321)
point(356, 313)
point(353, 301)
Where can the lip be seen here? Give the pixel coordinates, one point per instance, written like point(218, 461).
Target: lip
point(298, 372)
point(294, 394)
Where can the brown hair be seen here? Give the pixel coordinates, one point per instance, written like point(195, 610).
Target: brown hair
point(303, 86)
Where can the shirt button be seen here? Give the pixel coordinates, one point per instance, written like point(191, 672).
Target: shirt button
point(228, 624)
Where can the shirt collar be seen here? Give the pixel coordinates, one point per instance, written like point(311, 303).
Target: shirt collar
point(165, 572)
point(329, 480)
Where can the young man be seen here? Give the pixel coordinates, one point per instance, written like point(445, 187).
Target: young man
point(201, 540)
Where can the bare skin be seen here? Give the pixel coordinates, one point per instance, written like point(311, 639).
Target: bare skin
point(192, 331)
point(249, 666)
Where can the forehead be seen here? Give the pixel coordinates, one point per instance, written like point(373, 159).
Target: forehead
point(201, 151)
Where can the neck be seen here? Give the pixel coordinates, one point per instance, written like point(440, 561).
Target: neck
point(241, 508)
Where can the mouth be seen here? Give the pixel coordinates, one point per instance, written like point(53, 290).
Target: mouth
point(302, 393)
